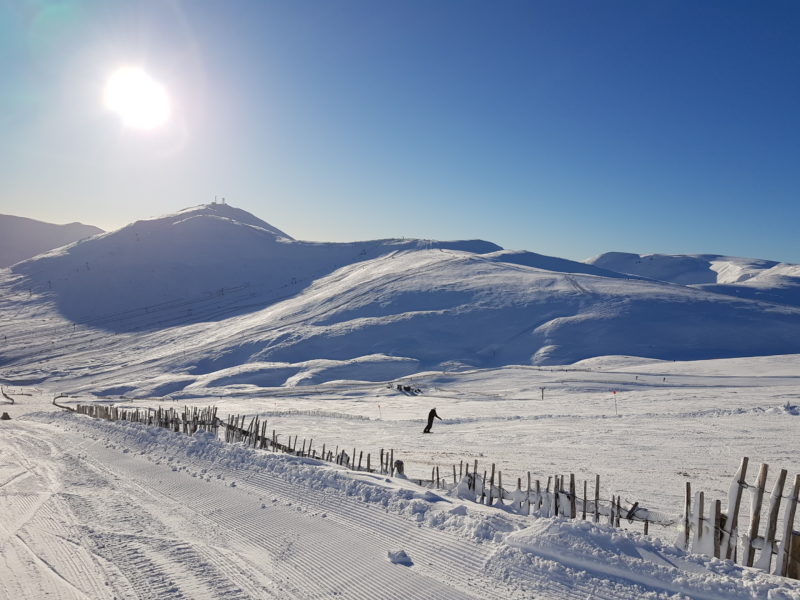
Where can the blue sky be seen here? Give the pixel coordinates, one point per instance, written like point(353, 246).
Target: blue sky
point(567, 128)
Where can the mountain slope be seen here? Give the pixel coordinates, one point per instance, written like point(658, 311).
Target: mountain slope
point(375, 318)
point(167, 263)
point(756, 279)
point(22, 238)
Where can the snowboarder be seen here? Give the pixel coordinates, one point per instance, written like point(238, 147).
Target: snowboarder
point(431, 416)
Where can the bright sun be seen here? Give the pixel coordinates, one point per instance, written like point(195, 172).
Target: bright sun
point(139, 100)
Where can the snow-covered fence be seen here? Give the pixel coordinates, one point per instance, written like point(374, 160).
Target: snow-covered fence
point(236, 429)
point(720, 535)
point(537, 497)
point(188, 421)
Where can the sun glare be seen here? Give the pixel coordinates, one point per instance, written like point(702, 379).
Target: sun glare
point(139, 100)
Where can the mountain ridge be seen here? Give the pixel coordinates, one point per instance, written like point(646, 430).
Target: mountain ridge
point(22, 238)
point(210, 297)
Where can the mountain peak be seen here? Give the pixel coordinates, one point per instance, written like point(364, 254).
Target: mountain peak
point(221, 211)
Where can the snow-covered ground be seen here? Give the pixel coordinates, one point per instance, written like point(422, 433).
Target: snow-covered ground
point(100, 510)
point(527, 359)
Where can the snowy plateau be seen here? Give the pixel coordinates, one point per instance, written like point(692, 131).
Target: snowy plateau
point(649, 371)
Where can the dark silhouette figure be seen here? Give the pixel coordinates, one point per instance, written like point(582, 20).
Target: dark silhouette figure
point(431, 416)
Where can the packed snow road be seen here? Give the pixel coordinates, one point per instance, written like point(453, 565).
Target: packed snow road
point(92, 509)
point(83, 520)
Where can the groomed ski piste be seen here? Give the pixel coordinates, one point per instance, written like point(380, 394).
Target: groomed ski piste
point(97, 509)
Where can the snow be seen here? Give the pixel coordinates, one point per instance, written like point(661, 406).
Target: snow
point(213, 297)
point(536, 365)
point(685, 269)
point(101, 509)
point(757, 279)
point(22, 238)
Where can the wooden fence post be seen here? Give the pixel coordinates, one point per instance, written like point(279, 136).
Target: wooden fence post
point(597, 498)
point(717, 523)
point(583, 508)
point(699, 517)
point(491, 485)
point(755, 512)
point(556, 491)
point(528, 496)
point(572, 506)
point(687, 509)
point(728, 543)
point(788, 526)
point(765, 558)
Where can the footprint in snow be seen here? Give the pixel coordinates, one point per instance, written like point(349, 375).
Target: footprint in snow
point(399, 557)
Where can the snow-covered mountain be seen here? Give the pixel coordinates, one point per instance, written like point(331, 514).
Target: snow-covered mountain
point(184, 257)
point(757, 279)
point(22, 238)
point(213, 296)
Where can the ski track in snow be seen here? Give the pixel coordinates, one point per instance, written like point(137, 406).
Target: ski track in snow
point(99, 510)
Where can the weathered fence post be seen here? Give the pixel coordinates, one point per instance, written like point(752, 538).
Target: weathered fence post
point(729, 536)
point(583, 508)
point(755, 512)
point(765, 558)
point(500, 488)
point(528, 496)
point(597, 498)
point(788, 525)
point(491, 485)
point(687, 510)
point(572, 507)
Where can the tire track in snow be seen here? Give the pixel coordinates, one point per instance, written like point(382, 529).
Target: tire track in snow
point(318, 560)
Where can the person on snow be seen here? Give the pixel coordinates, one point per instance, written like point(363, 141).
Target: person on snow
point(431, 416)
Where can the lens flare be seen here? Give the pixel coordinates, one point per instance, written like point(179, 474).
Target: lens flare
point(139, 100)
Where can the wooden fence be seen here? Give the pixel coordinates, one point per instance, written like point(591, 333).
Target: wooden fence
point(718, 534)
point(756, 545)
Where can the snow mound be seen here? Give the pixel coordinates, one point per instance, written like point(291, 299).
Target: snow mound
point(649, 563)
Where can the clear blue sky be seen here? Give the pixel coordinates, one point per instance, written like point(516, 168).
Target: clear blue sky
point(567, 128)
